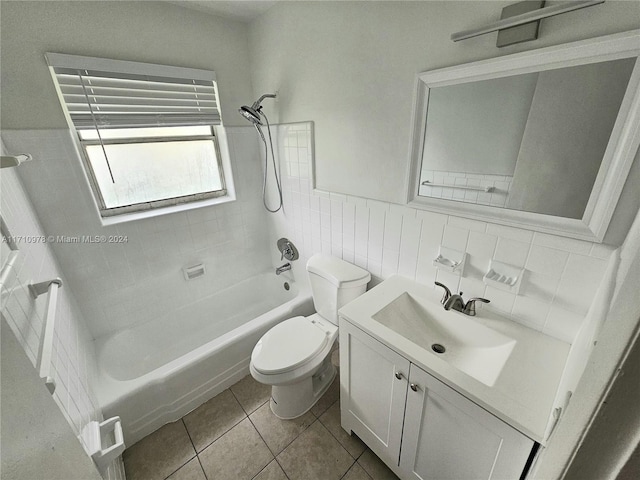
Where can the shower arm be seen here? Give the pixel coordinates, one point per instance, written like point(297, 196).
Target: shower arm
point(256, 105)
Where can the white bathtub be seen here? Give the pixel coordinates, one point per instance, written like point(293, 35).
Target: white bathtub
point(157, 372)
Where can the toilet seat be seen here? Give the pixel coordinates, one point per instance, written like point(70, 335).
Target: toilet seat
point(289, 345)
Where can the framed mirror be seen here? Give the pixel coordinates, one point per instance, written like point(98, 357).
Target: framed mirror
point(542, 140)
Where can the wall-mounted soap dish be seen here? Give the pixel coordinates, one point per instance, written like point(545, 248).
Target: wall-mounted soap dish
point(450, 260)
point(504, 276)
point(104, 441)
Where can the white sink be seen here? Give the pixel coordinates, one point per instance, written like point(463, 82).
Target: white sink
point(469, 346)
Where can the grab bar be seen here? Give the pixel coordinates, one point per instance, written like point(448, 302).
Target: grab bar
point(463, 187)
point(45, 350)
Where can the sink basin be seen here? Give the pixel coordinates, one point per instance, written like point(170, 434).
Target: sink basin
point(460, 340)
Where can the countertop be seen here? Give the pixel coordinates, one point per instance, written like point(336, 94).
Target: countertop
point(524, 392)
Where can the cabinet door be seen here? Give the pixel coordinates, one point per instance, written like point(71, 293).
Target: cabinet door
point(448, 437)
point(373, 390)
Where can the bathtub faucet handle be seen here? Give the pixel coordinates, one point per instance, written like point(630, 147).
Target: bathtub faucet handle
point(287, 250)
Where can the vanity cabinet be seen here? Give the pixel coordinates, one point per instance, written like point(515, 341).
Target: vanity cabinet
point(420, 427)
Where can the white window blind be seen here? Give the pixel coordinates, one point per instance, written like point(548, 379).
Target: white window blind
point(101, 93)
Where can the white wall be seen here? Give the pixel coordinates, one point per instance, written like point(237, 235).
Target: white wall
point(153, 32)
point(74, 356)
point(350, 67)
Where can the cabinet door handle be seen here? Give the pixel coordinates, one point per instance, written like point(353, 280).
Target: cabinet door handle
point(399, 375)
point(414, 387)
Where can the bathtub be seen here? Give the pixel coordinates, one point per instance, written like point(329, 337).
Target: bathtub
point(156, 372)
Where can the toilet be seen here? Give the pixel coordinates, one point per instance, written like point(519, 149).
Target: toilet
point(294, 356)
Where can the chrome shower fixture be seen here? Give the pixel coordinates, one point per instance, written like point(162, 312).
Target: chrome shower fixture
point(253, 112)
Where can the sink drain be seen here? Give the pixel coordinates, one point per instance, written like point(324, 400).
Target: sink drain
point(436, 347)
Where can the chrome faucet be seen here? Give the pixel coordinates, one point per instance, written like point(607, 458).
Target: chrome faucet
point(283, 268)
point(456, 302)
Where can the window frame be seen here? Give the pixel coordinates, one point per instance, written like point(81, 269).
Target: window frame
point(145, 210)
point(155, 204)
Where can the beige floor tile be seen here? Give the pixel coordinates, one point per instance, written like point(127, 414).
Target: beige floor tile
point(271, 472)
point(328, 398)
point(239, 454)
point(159, 454)
point(356, 472)
point(315, 455)
point(375, 467)
point(251, 394)
point(278, 433)
point(191, 471)
point(351, 443)
point(212, 419)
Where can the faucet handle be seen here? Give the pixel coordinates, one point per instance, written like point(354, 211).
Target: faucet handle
point(470, 306)
point(447, 292)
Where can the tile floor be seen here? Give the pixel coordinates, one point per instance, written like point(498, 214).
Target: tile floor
point(235, 436)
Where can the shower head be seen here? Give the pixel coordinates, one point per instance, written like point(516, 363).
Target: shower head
point(252, 113)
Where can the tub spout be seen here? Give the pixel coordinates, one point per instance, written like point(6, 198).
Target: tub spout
point(283, 268)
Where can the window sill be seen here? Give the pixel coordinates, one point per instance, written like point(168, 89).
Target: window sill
point(156, 212)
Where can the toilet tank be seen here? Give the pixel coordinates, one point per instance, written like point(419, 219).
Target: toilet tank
point(334, 283)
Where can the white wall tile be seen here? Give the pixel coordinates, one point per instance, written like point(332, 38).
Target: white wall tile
point(512, 252)
point(579, 281)
point(562, 243)
point(547, 261)
point(455, 237)
point(562, 324)
point(510, 233)
point(480, 250)
point(530, 311)
point(500, 300)
point(409, 246)
point(392, 231)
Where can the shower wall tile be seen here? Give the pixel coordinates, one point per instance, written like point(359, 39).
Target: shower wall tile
point(561, 274)
point(124, 284)
point(73, 358)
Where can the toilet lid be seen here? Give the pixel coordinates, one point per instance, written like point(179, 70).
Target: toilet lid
point(287, 346)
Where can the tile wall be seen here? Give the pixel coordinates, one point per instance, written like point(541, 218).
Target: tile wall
point(73, 353)
point(561, 278)
point(123, 284)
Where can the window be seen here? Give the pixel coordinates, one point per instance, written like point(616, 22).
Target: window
point(148, 133)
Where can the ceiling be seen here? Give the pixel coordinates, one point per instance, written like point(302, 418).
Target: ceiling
point(242, 10)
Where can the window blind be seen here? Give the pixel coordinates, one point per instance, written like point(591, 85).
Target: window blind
point(120, 94)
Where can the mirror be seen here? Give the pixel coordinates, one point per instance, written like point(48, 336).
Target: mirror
point(541, 140)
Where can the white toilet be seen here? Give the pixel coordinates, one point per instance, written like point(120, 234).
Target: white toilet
point(294, 356)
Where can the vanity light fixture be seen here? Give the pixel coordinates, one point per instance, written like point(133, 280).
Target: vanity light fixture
point(512, 17)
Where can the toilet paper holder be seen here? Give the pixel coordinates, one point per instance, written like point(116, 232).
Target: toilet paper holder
point(96, 437)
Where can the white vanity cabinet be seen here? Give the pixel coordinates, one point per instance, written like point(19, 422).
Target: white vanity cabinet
point(373, 391)
point(417, 425)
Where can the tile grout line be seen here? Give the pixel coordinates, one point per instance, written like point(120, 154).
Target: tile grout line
point(339, 442)
point(194, 449)
point(275, 457)
point(202, 467)
point(223, 433)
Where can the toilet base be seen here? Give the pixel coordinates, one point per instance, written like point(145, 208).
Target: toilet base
point(291, 401)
